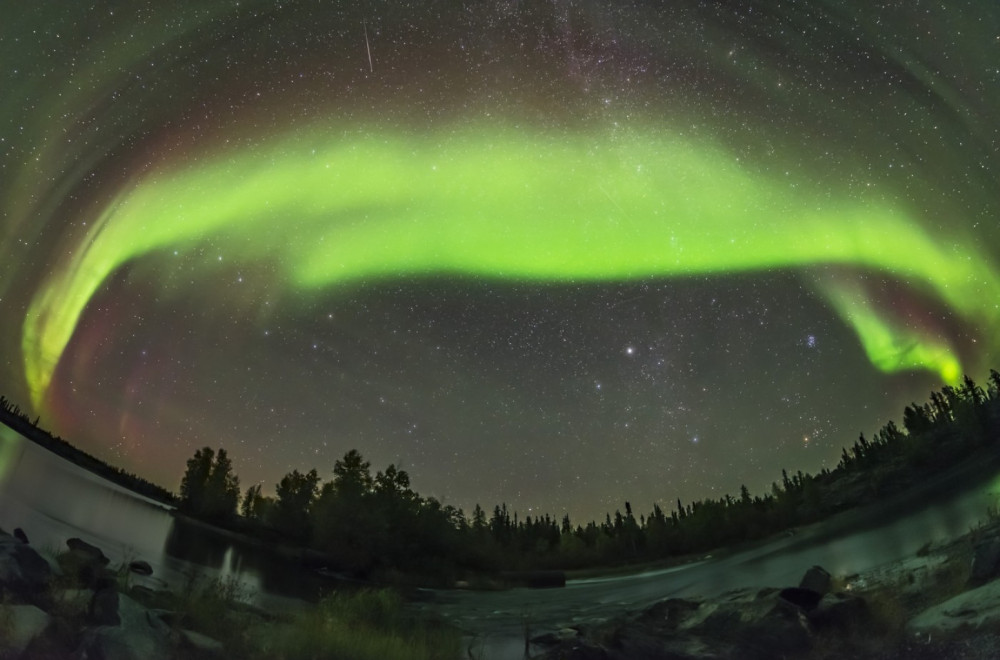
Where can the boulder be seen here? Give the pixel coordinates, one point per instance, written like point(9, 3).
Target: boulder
point(203, 644)
point(974, 609)
point(778, 634)
point(26, 622)
point(119, 643)
point(135, 639)
point(745, 624)
point(556, 637)
point(985, 560)
point(840, 610)
point(23, 572)
point(140, 567)
point(816, 579)
point(87, 551)
point(103, 607)
point(163, 620)
point(84, 563)
point(669, 614)
point(805, 600)
point(168, 618)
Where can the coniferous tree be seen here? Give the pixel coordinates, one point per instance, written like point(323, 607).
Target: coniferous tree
point(296, 493)
point(195, 480)
point(223, 490)
point(209, 487)
point(250, 508)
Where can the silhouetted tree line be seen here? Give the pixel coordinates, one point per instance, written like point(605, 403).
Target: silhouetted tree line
point(361, 522)
point(365, 522)
point(12, 416)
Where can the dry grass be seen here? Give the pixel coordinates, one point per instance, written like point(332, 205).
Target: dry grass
point(365, 625)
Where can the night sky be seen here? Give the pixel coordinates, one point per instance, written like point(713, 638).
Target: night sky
point(554, 254)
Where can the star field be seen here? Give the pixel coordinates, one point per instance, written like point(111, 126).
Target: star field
point(559, 255)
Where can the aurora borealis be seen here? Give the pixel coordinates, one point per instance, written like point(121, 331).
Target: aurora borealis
point(554, 254)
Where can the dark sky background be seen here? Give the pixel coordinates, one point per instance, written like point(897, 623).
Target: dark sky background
point(143, 332)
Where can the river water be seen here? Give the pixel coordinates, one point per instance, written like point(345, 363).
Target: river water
point(53, 500)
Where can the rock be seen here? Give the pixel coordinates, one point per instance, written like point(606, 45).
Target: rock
point(779, 633)
point(20, 535)
point(23, 571)
point(135, 639)
point(90, 552)
point(985, 560)
point(581, 651)
point(669, 614)
point(557, 637)
point(802, 599)
point(140, 567)
point(103, 608)
point(816, 579)
point(84, 563)
point(760, 624)
point(118, 643)
point(745, 624)
point(75, 600)
point(26, 622)
point(840, 610)
point(201, 643)
point(162, 620)
point(974, 609)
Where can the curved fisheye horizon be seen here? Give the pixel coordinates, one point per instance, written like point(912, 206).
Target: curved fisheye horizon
point(559, 256)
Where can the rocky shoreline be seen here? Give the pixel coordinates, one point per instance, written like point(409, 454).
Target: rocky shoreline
point(74, 605)
point(942, 603)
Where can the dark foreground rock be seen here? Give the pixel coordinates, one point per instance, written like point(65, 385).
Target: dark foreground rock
point(24, 624)
point(87, 552)
point(816, 579)
point(840, 611)
point(137, 637)
point(985, 559)
point(84, 616)
point(921, 608)
point(750, 624)
point(103, 607)
point(24, 574)
point(140, 567)
point(977, 609)
point(85, 564)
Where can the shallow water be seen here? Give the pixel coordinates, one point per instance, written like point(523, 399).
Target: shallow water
point(53, 500)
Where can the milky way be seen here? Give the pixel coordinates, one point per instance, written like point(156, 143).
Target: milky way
point(555, 254)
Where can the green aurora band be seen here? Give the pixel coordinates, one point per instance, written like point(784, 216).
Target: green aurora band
point(491, 202)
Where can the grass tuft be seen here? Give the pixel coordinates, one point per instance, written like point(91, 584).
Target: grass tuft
point(364, 625)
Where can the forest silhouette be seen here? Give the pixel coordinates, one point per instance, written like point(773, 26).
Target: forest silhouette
point(376, 525)
point(367, 524)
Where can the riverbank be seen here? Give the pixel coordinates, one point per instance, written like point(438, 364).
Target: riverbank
point(11, 417)
point(979, 470)
point(942, 602)
point(74, 605)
